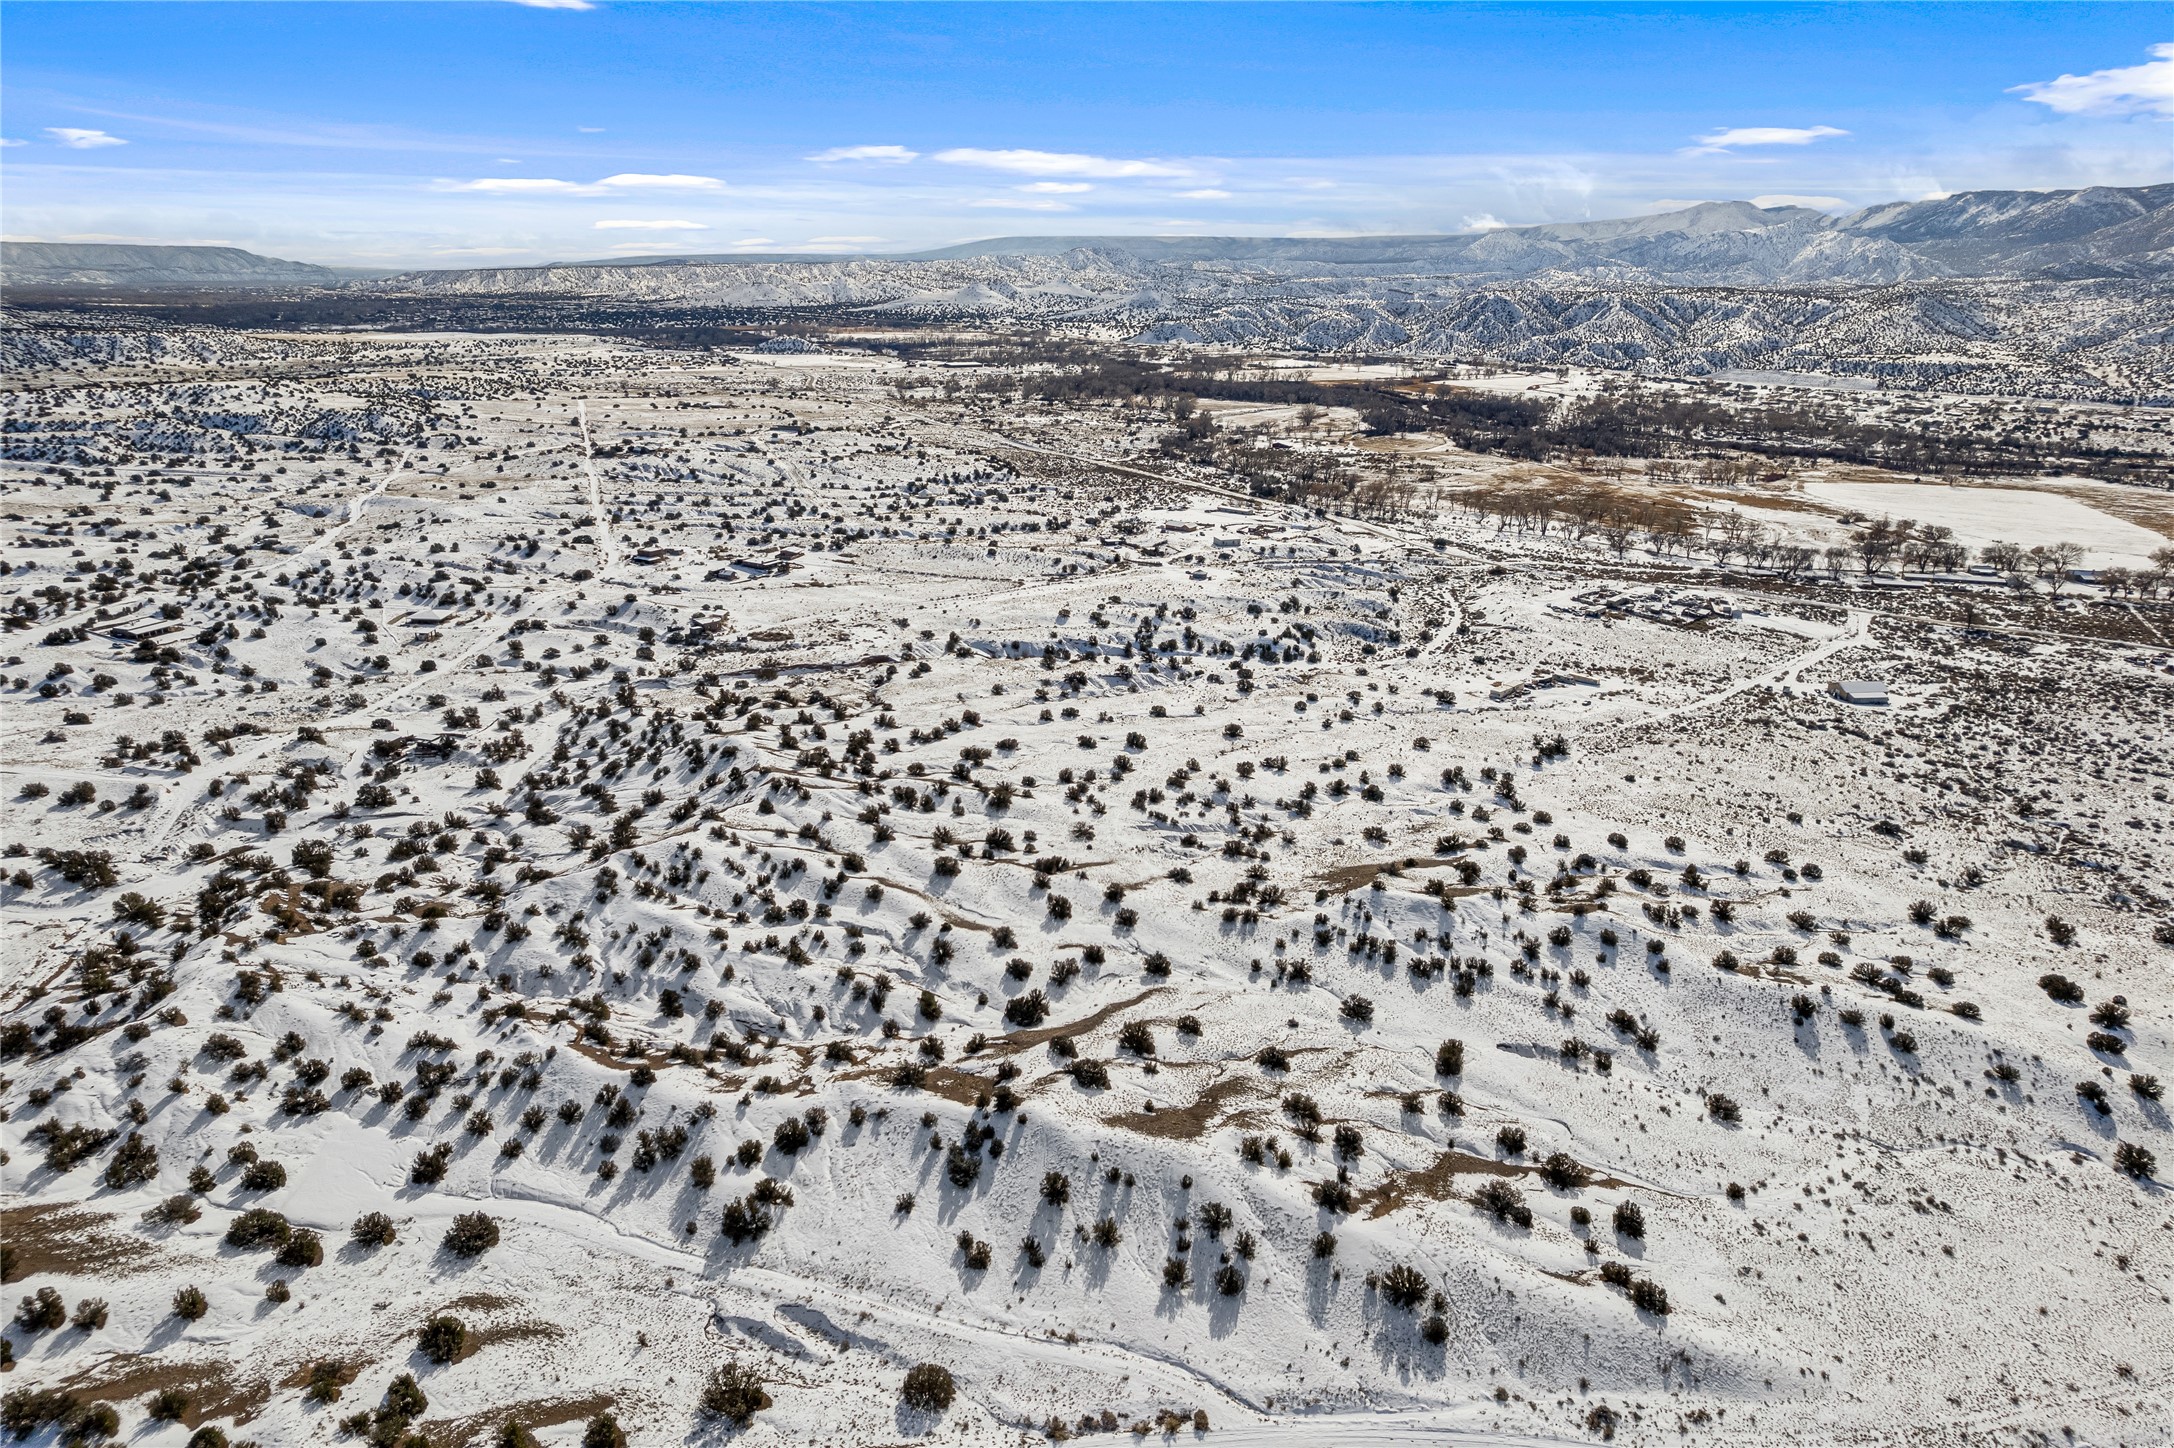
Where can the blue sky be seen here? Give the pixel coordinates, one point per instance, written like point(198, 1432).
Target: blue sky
point(495, 133)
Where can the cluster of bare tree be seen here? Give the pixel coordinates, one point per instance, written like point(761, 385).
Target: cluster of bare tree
point(1666, 528)
point(2147, 582)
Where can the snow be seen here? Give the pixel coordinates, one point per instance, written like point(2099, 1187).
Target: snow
point(1920, 1249)
point(1981, 515)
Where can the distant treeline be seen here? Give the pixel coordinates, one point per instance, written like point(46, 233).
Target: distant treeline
point(1651, 422)
point(703, 327)
point(1477, 421)
point(1629, 420)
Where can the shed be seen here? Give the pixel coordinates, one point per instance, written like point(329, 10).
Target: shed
point(1858, 691)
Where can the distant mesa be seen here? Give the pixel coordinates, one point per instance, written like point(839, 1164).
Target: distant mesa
point(33, 265)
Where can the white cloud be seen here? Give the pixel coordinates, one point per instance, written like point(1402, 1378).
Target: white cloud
point(631, 224)
point(889, 155)
point(2123, 90)
point(1817, 203)
point(1734, 136)
point(590, 130)
point(480, 251)
point(843, 240)
point(521, 185)
point(125, 238)
point(556, 4)
point(1057, 163)
point(1055, 188)
point(754, 241)
point(75, 138)
point(1006, 203)
point(635, 180)
point(1485, 221)
point(11, 141)
point(549, 186)
point(1205, 193)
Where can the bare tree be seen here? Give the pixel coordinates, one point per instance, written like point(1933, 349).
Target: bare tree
point(2061, 558)
point(1793, 558)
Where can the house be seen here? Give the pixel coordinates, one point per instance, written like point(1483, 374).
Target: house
point(1858, 691)
point(144, 635)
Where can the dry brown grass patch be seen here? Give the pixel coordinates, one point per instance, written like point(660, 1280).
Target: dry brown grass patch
point(535, 1415)
point(69, 1239)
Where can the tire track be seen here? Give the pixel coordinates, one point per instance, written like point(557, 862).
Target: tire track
point(609, 562)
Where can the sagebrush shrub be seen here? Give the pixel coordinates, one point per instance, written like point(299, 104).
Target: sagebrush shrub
point(471, 1235)
point(1403, 1286)
point(258, 1227)
point(1502, 1201)
point(442, 1338)
point(734, 1393)
point(928, 1387)
point(303, 1249)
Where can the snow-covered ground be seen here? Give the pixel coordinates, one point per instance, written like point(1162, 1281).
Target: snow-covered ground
point(1026, 901)
point(1982, 515)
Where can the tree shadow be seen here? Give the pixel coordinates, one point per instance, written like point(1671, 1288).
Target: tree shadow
point(915, 1422)
point(1224, 1310)
point(2100, 1123)
point(1809, 1041)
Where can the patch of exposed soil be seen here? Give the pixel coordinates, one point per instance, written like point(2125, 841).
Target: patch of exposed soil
point(1019, 1041)
point(69, 1239)
point(1433, 1183)
point(478, 1302)
point(534, 1415)
point(480, 1338)
point(215, 1392)
point(1185, 1123)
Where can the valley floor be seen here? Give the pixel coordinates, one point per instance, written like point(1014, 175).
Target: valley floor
point(845, 877)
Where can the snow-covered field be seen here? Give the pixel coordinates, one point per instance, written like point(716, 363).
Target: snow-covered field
point(1982, 515)
point(842, 880)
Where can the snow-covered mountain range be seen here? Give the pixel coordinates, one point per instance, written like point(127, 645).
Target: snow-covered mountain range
point(2067, 292)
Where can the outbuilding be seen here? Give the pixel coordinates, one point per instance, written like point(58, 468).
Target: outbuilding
point(1858, 691)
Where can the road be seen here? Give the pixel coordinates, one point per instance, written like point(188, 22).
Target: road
point(608, 563)
point(355, 506)
point(1789, 672)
